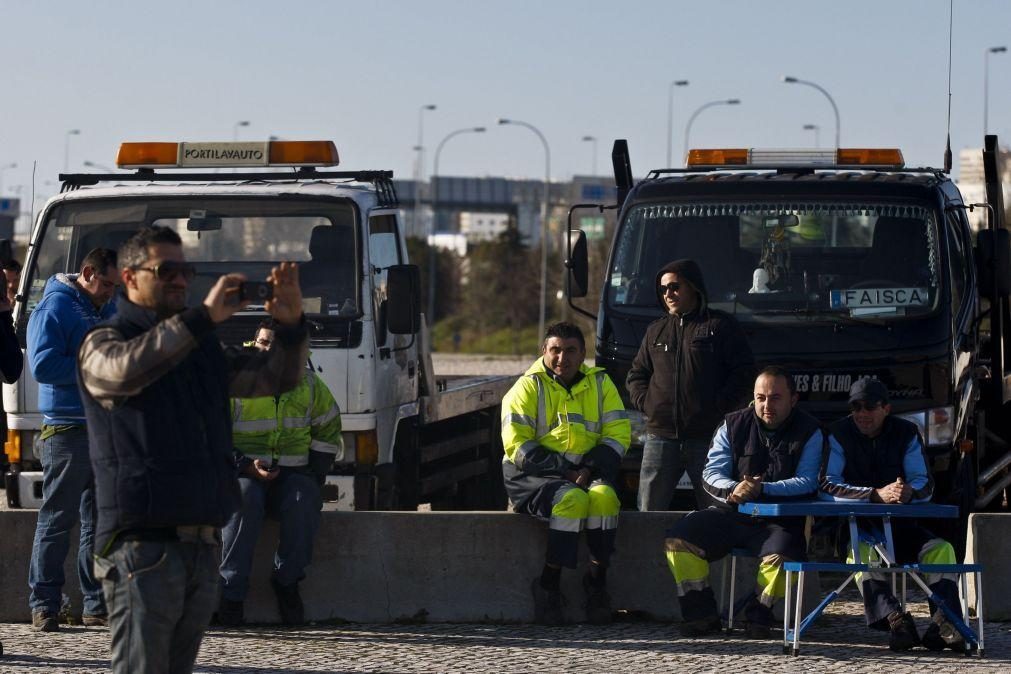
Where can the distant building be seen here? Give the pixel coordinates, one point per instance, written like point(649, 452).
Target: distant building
point(971, 184)
point(483, 226)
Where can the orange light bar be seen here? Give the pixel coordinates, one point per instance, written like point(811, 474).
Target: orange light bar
point(13, 446)
point(724, 157)
point(133, 155)
point(303, 153)
point(870, 157)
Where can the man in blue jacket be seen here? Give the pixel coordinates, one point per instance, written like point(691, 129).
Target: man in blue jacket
point(770, 451)
point(71, 305)
point(875, 457)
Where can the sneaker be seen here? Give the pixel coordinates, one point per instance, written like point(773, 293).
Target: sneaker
point(45, 621)
point(547, 604)
point(95, 620)
point(289, 603)
point(692, 629)
point(903, 631)
point(598, 604)
point(942, 634)
point(230, 613)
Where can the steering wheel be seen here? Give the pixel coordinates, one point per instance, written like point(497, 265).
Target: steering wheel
point(878, 283)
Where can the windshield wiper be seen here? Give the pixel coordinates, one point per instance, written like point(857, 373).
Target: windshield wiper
point(824, 316)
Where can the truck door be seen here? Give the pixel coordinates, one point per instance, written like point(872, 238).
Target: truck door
point(396, 359)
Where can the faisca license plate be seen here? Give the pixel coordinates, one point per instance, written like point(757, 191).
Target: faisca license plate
point(858, 298)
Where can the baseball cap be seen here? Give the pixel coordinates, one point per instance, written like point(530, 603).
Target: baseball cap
point(868, 389)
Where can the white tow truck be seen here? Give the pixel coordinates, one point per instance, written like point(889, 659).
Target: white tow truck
point(242, 207)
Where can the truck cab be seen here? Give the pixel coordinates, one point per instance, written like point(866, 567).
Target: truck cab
point(837, 264)
point(244, 207)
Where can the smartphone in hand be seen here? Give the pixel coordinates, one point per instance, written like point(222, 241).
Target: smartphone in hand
point(256, 292)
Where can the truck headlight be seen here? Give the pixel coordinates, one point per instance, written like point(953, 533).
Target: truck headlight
point(937, 424)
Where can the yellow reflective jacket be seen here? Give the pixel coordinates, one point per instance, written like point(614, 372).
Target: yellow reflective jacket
point(285, 428)
point(539, 411)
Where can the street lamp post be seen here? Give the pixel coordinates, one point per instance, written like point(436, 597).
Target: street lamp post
point(66, 148)
point(793, 80)
point(710, 104)
point(431, 227)
point(419, 166)
point(2, 169)
point(235, 129)
point(986, 83)
point(670, 117)
point(544, 219)
point(816, 129)
point(592, 139)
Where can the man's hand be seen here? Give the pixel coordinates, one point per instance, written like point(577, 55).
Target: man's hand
point(223, 298)
point(581, 477)
point(257, 469)
point(748, 489)
point(286, 304)
point(896, 492)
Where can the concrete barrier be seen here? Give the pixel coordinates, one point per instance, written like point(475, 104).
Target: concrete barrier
point(989, 543)
point(438, 567)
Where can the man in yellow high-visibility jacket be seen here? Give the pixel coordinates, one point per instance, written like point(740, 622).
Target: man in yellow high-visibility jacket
point(284, 446)
point(565, 431)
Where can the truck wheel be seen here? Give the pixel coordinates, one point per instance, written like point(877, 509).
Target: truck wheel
point(406, 476)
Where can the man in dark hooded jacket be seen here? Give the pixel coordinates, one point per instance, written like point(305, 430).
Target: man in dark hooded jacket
point(693, 367)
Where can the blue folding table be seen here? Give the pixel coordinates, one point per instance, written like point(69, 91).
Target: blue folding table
point(886, 550)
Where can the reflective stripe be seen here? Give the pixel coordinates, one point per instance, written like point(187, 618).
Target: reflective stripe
point(600, 399)
point(328, 416)
point(574, 457)
point(326, 447)
point(605, 522)
point(576, 418)
point(565, 524)
point(295, 422)
point(690, 572)
point(542, 413)
point(311, 380)
point(290, 461)
point(524, 450)
point(522, 419)
point(254, 426)
point(615, 445)
point(613, 415)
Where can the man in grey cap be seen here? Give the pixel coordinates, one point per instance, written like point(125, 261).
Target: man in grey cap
point(694, 366)
point(878, 458)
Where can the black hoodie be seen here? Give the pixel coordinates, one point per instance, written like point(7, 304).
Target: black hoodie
point(691, 369)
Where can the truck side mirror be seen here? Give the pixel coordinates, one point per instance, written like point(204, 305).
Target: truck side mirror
point(577, 280)
point(403, 299)
point(993, 261)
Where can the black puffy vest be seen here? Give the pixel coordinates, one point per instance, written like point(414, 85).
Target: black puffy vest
point(774, 455)
point(163, 458)
point(874, 462)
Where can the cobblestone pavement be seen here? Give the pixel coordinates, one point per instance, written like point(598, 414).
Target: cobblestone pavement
point(837, 643)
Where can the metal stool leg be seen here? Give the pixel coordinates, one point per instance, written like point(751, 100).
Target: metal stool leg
point(799, 614)
point(786, 614)
point(733, 593)
point(979, 609)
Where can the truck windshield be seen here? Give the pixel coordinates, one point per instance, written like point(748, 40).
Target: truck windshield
point(219, 236)
point(782, 262)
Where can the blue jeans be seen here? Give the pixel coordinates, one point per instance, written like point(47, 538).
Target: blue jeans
point(663, 462)
point(295, 500)
point(68, 497)
point(161, 595)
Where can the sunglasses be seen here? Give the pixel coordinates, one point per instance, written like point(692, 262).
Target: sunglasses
point(166, 271)
point(862, 406)
point(671, 287)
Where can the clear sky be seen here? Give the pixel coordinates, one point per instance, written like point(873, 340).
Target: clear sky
point(357, 73)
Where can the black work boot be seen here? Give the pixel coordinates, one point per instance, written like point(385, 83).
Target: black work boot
point(45, 621)
point(289, 603)
point(547, 604)
point(903, 631)
point(942, 634)
point(598, 602)
point(698, 607)
point(759, 619)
